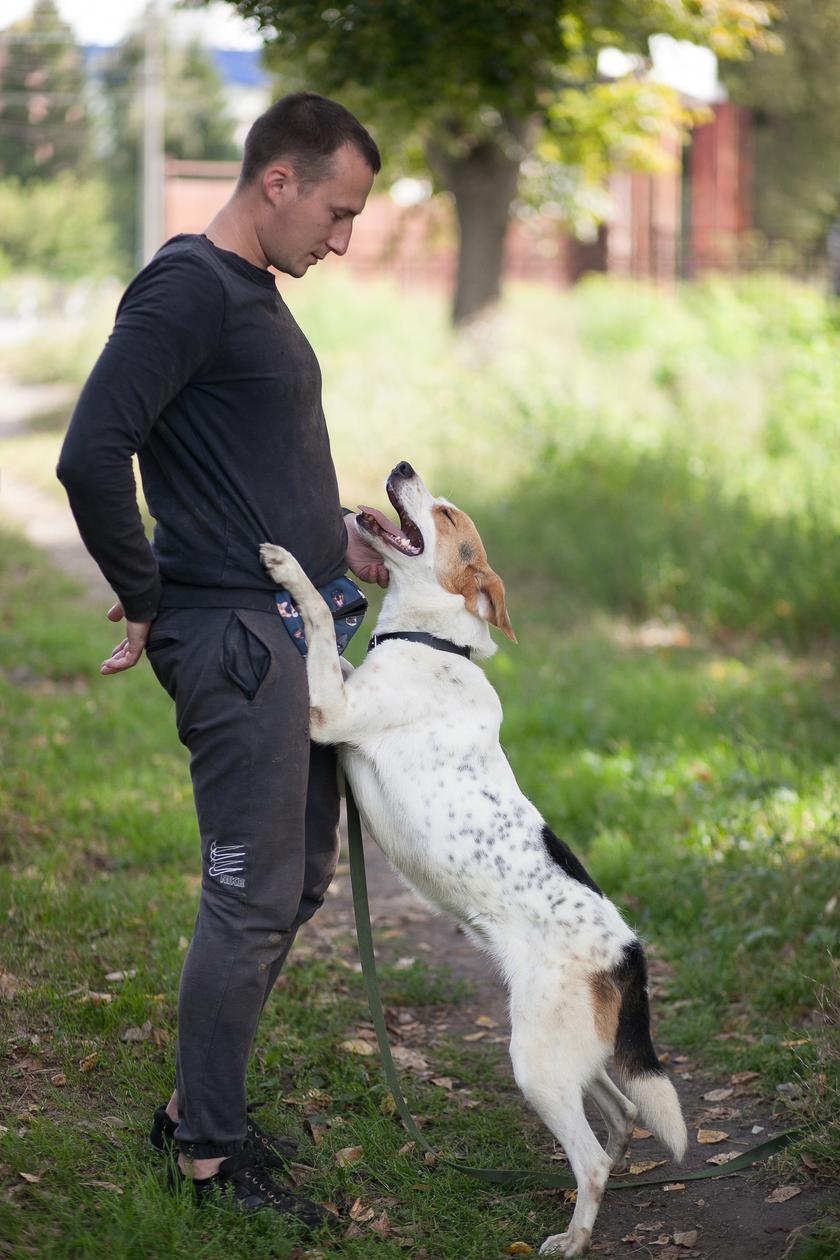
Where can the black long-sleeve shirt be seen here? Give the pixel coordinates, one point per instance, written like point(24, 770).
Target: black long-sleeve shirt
point(210, 380)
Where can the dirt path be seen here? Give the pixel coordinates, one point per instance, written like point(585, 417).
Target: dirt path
point(726, 1219)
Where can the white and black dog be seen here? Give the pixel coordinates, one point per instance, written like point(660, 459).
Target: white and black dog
point(417, 726)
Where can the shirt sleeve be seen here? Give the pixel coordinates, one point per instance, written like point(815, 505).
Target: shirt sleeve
point(168, 325)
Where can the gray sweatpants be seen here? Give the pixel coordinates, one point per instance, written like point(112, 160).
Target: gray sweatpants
point(267, 805)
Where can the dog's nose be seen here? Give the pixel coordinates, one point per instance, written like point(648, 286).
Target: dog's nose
point(403, 470)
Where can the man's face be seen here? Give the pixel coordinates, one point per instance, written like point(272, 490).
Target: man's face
point(301, 227)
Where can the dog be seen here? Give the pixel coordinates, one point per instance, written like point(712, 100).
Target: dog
point(417, 729)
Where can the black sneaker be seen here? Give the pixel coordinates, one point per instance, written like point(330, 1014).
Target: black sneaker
point(162, 1138)
point(245, 1184)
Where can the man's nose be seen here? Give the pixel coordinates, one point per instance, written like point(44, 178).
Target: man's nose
point(340, 238)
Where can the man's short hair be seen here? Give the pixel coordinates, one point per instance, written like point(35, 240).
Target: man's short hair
point(307, 129)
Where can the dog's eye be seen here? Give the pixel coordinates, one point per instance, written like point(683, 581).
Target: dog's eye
point(446, 512)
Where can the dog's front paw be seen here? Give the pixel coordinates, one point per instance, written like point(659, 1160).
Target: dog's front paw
point(573, 1242)
point(280, 564)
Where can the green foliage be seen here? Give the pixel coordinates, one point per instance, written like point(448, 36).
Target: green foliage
point(60, 227)
point(196, 122)
point(476, 86)
point(796, 102)
point(43, 116)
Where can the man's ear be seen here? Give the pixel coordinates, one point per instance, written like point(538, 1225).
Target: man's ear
point(484, 594)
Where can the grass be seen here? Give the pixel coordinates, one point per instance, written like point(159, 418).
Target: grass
point(653, 476)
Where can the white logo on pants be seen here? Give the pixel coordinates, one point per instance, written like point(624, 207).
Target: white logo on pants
point(226, 861)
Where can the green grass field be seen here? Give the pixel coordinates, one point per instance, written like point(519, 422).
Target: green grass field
point(655, 477)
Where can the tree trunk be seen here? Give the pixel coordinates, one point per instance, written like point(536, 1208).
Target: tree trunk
point(483, 183)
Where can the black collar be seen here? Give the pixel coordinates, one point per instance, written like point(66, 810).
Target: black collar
point(419, 636)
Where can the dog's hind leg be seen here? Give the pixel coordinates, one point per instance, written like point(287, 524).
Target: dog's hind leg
point(553, 1059)
point(619, 1114)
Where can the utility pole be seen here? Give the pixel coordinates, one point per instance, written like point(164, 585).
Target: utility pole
point(152, 207)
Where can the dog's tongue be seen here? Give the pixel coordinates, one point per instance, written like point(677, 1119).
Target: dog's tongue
point(380, 518)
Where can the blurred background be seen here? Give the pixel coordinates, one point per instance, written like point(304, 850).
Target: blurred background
point(594, 300)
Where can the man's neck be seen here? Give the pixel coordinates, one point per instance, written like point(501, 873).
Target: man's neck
point(234, 231)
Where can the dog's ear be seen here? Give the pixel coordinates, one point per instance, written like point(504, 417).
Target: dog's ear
point(484, 594)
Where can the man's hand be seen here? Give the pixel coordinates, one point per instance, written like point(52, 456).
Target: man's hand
point(364, 560)
point(128, 652)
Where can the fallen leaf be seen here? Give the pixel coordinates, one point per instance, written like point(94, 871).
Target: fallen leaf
point(782, 1193)
point(809, 1162)
point(89, 1062)
point(801, 1041)
point(138, 1034)
point(104, 1185)
point(444, 1082)
point(718, 1095)
point(387, 1106)
point(160, 1036)
point(484, 1021)
point(407, 1148)
point(474, 1036)
point(348, 1155)
point(354, 1231)
point(708, 1137)
point(686, 1239)
point(403, 964)
point(723, 1158)
point(406, 1058)
point(58, 1079)
point(650, 1227)
point(382, 1226)
point(741, 1078)
point(356, 1045)
point(518, 1249)
point(642, 1133)
point(183, 943)
point(116, 976)
point(33, 1178)
point(430, 1158)
point(675, 1185)
point(645, 1165)
point(361, 1211)
point(97, 999)
point(570, 1196)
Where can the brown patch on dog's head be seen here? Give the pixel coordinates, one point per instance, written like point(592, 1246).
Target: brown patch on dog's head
point(463, 568)
point(606, 1002)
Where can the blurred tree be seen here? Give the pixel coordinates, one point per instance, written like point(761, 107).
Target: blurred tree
point(43, 115)
point(477, 86)
point(197, 124)
point(795, 100)
point(58, 227)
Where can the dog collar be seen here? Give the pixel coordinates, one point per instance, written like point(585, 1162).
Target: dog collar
point(419, 636)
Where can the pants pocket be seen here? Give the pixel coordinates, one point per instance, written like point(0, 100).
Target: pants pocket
point(245, 658)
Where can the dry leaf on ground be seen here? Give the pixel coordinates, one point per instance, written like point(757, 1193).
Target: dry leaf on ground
point(361, 1212)
point(723, 1158)
point(675, 1185)
point(32, 1178)
point(646, 1165)
point(718, 1095)
point(484, 1021)
point(687, 1238)
point(474, 1036)
point(89, 1062)
point(104, 1185)
point(58, 1079)
point(411, 1059)
point(782, 1193)
point(641, 1133)
point(138, 1034)
point(348, 1155)
point(518, 1249)
point(356, 1045)
point(708, 1137)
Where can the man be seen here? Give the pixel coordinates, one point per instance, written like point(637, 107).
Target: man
point(209, 379)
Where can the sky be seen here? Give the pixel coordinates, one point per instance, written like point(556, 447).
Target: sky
point(107, 21)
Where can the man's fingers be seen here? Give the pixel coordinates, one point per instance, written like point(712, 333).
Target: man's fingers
point(122, 657)
point(115, 612)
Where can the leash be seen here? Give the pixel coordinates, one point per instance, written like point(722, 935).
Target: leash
point(496, 1176)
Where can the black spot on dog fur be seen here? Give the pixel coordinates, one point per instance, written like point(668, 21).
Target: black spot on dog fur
point(634, 1051)
point(566, 860)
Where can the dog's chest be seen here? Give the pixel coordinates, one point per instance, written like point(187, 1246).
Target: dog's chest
point(437, 793)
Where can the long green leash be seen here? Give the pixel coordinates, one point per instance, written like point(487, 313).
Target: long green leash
point(498, 1176)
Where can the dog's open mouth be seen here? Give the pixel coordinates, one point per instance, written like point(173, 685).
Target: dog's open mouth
point(407, 538)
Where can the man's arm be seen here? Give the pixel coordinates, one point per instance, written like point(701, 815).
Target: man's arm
point(168, 324)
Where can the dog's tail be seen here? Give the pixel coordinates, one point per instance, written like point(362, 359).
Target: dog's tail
point(639, 1072)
